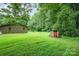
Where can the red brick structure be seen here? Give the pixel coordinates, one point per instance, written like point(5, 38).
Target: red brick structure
point(55, 34)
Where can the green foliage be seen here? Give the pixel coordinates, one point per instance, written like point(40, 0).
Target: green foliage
point(38, 21)
point(16, 13)
point(57, 26)
point(44, 19)
point(75, 16)
point(59, 17)
point(66, 22)
point(74, 6)
point(50, 6)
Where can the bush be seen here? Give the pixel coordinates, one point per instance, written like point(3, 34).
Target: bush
point(56, 27)
point(73, 33)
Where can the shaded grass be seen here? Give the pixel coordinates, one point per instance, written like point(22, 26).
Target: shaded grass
point(37, 44)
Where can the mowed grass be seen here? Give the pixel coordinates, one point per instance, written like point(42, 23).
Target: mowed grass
point(37, 44)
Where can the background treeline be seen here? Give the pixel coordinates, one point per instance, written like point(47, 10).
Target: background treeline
point(49, 16)
point(61, 17)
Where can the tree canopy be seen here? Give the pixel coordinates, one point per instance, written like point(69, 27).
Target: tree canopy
point(16, 13)
point(56, 16)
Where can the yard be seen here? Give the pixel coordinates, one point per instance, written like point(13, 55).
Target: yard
point(37, 44)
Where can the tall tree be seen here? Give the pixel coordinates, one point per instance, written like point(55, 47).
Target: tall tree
point(17, 12)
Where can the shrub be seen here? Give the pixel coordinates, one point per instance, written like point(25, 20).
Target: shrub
point(73, 33)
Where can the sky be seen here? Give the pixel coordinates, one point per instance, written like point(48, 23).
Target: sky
point(2, 5)
point(32, 13)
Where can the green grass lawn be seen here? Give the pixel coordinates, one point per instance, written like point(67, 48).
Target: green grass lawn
point(37, 44)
